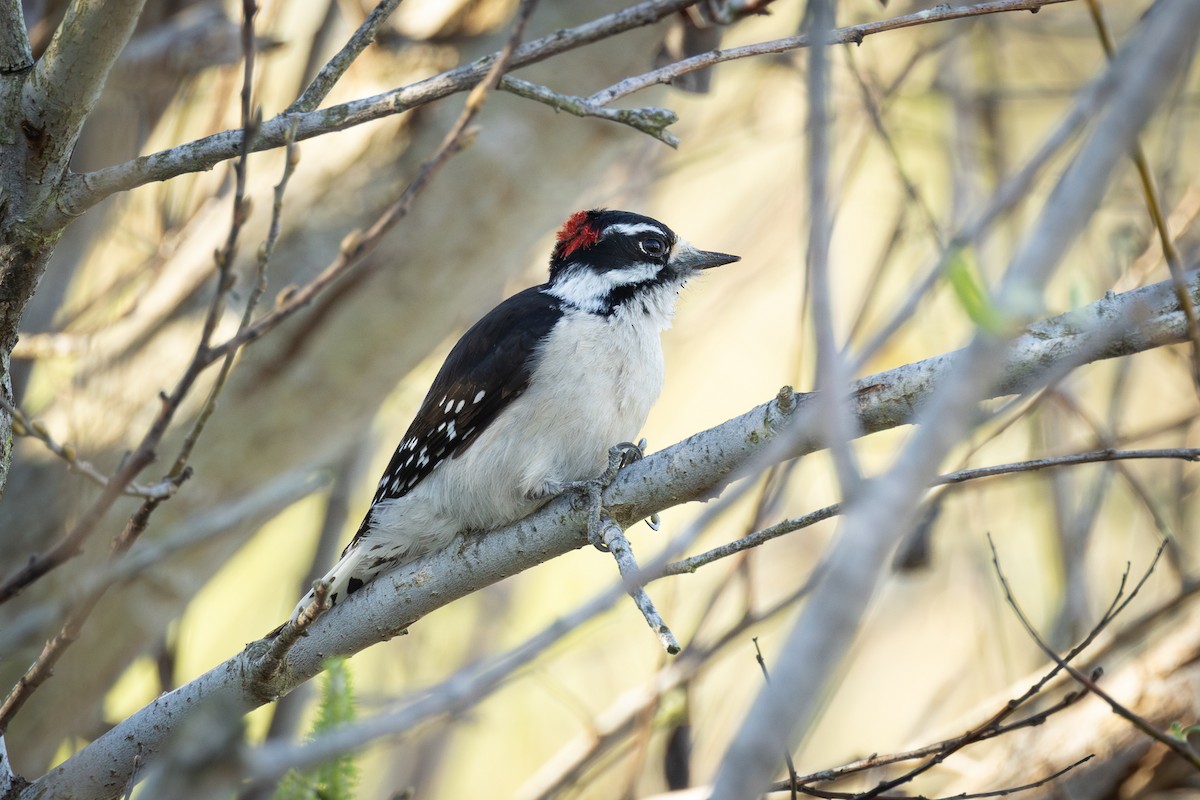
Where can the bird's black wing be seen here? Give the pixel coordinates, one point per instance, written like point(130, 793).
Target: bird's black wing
point(486, 370)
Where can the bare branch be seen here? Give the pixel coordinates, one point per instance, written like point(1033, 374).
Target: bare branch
point(651, 120)
point(67, 80)
point(691, 469)
point(759, 537)
point(1180, 747)
point(854, 34)
point(81, 192)
point(329, 75)
point(23, 426)
point(15, 54)
point(884, 513)
point(1154, 206)
point(613, 539)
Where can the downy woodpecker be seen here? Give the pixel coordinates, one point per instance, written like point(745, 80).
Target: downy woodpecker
point(532, 396)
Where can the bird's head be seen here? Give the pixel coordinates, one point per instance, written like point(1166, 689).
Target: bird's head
point(604, 259)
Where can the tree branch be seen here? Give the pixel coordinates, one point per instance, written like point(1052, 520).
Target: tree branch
point(67, 80)
point(325, 80)
point(81, 192)
point(15, 55)
point(853, 34)
point(878, 518)
point(692, 469)
point(650, 120)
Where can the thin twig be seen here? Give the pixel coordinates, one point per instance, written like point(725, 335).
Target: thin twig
point(854, 34)
point(613, 539)
point(1180, 748)
point(23, 426)
point(224, 259)
point(333, 70)
point(793, 782)
point(827, 795)
point(54, 648)
point(1154, 206)
point(764, 535)
point(651, 120)
point(981, 733)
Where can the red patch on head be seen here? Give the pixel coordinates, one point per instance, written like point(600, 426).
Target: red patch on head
point(577, 233)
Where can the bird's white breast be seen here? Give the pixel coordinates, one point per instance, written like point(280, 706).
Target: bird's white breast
point(595, 379)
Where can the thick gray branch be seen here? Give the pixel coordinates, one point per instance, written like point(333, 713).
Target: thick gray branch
point(692, 469)
point(15, 54)
point(69, 77)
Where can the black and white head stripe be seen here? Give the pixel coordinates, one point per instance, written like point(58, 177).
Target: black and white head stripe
point(606, 258)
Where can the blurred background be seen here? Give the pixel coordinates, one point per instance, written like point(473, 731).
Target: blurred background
point(928, 120)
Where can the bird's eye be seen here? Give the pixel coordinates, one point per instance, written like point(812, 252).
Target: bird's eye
point(653, 246)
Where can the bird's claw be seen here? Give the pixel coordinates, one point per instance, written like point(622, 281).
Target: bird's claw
point(619, 456)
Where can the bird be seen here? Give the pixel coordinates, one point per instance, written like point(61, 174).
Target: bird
point(531, 399)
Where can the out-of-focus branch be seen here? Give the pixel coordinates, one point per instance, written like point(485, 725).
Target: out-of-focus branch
point(693, 468)
point(884, 513)
point(237, 514)
point(1154, 206)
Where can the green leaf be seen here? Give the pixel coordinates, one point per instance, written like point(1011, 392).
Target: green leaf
point(972, 295)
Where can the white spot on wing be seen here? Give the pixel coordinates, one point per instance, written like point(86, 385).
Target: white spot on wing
point(479, 396)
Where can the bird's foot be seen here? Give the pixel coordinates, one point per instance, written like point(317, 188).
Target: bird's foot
point(619, 456)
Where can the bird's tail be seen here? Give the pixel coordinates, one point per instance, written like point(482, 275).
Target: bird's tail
point(346, 577)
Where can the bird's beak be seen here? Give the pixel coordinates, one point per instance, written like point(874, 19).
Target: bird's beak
point(689, 258)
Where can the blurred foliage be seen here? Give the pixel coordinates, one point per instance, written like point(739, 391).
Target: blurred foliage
point(336, 779)
point(929, 121)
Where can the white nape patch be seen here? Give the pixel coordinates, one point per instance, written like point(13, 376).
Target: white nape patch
point(633, 229)
point(588, 290)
